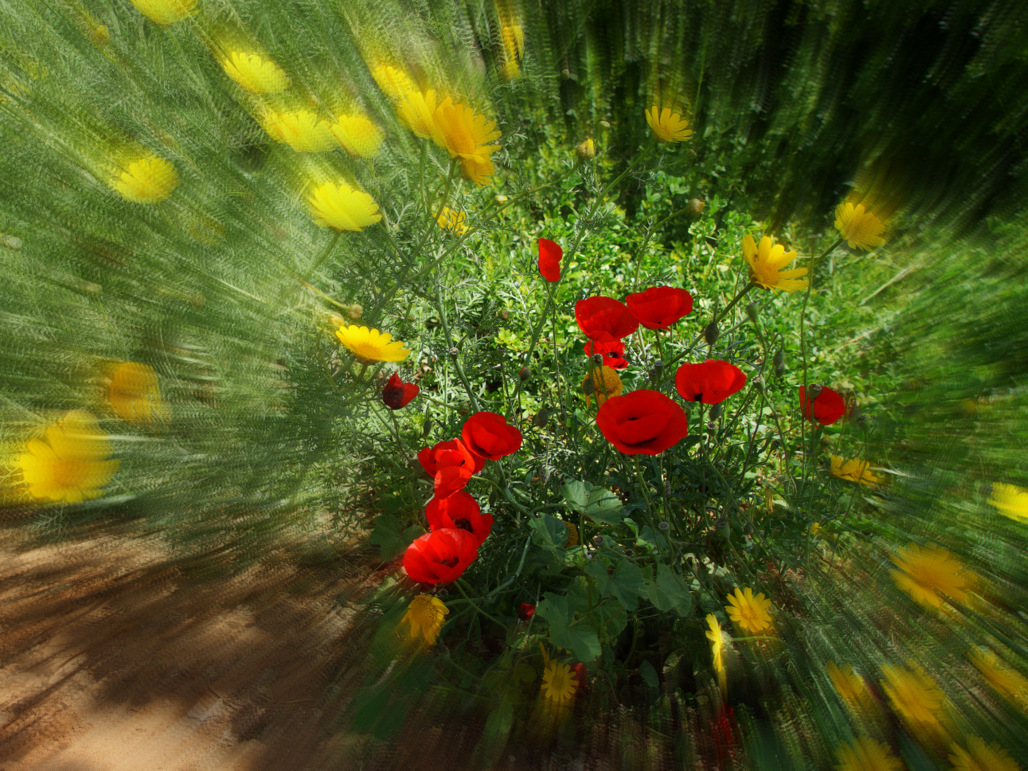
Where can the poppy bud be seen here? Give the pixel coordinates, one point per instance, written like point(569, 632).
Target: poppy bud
point(663, 527)
point(598, 540)
point(426, 427)
point(524, 374)
point(453, 353)
point(586, 150)
point(598, 359)
point(715, 412)
point(711, 333)
point(658, 365)
point(723, 528)
point(813, 391)
point(504, 314)
point(694, 208)
point(779, 362)
point(758, 383)
point(526, 611)
point(463, 408)
point(588, 386)
point(541, 417)
point(356, 311)
point(751, 311)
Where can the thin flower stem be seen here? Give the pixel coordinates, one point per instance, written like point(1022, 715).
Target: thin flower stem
point(718, 316)
point(321, 258)
point(466, 592)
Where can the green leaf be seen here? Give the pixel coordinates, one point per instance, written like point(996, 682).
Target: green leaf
point(390, 539)
point(667, 591)
point(597, 570)
point(648, 674)
point(581, 640)
point(592, 501)
point(628, 584)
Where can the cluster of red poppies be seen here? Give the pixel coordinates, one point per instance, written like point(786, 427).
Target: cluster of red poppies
point(457, 526)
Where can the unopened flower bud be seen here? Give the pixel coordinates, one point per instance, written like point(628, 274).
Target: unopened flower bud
point(501, 199)
point(426, 427)
point(658, 365)
point(813, 391)
point(751, 311)
point(711, 333)
point(694, 208)
point(463, 408)
point(588, 386)
point(598, 359)
point(504, 314)
point(715, 412)
point(541, 417)
point(356, 311)
point(453, 353)
point(524, 374)
point(586, 150)
point(723, 528)
point(598, 540)
point(779, 363)
point(663, 527)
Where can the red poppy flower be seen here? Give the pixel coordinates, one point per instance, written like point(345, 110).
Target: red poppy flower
point(459, 510)
point(397, 394)
point(581, 674)
point(659, 306)
point(642, 422)
point(604, 319)
point(711, 382)
point(451, 453)
point(613, 353)
point(440, 556)
point(550, 254)
point(826, 407)
point(490, 435)
point(526, 611)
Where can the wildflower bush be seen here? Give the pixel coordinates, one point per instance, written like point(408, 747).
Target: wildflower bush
point(607, 364)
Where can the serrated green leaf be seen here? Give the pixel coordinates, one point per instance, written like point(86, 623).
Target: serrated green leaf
point(593, 501)
point(628, 584)
point(669, 592)
point(581, 640)
point(390, 538)
point(648, 674)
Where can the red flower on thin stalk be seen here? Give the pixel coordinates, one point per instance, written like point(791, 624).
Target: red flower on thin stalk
point(613, 353)
point(441, 556)
point(490, 435)
point(459, 510)
point(397, 394)
point(659, 306)
point(711, 382)
point(550, 255)
point(604, 319)
point(526, 611)
point(826, 407)
point(450, 464)
point(642, 422)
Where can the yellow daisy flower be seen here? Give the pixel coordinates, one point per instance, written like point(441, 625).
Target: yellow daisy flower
point(164, 12)
point(603, 383)
point(452, 221)
point(865, 754)
point(749, 612)
point(343, 207)
point(255, 74)
point(980, 756)
point(853, 471)
point(302, 130)
point(586, 150)
point(134, 393)
point(512, 38)
point(1010, 683)
point(393, 81)
point(858, 227)
point(849, 686)
point(668, 126)
point(1011, 500)
point(465, 135)
point(559, 683)
point(426, 615)
point(370, 345)
point(717, 638)
point(766, 263)
point(914, 696)
point(358, 135)
point(148, 180)
point(416, 111)
point(927, 574)
point(71, 465)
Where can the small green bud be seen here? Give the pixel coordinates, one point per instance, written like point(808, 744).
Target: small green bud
point(694, 207)
point(524, 374)
point(541, 417)
point(751, 311)
point(711, 333)
point(715, 412)
point(598, 359)
point(779, 364)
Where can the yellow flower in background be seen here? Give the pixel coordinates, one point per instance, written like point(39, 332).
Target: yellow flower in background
point(928, 574)
point(71, 465)
point(417, 110)
point(716, 635)
point(1011, 500)
point(358, 135)
point(255, 74)
point(164, 12)
point(849, 685)
point(853, 471)
point(766, 263)
point(148, 180)
point(371, 345)
point(749, 612)
point(572, 529)
point(667, 125)
point(512, 38)
point(914, 696)
point(343, 207)
point(1010, 683)
point(453, 221)
point(559, 683)
point(980, 756)
point(425, 615)
point(586, 150)
point(465, 135)
point(603, 383)
point(134, 393)
point(865, 754)
point(302, 130)
point(393, 81)
point(858, 227)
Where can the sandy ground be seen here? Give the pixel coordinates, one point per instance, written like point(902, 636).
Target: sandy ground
point(113, 656)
